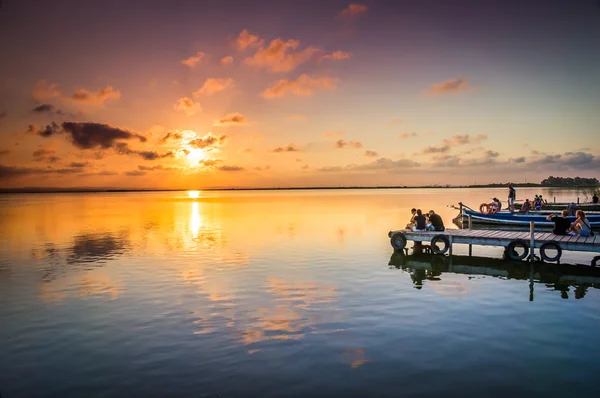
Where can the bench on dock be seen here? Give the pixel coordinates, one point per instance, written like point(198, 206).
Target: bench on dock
point(511, 240)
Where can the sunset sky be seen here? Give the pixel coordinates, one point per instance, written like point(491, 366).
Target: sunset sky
point(199, 94)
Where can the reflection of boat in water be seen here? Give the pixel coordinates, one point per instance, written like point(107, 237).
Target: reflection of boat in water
point(432, 267)
point(506, 218)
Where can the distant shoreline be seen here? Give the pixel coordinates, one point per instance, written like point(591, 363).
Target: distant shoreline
point(107, 190)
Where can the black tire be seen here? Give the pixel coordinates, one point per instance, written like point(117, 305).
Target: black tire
point(398, 241)
point(553, 246)
point(438, 239)
point(512, 254)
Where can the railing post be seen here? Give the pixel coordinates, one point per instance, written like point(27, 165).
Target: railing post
point(470, 222)
point(578, 200)
point(555, 199)
point(532, 240)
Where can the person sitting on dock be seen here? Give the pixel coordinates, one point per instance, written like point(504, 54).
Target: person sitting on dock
point(538, 202)
point(420, 222)
point(561, 224)
point(525, 207)
point(581, 226)
point(435, 222)
point(411, 223)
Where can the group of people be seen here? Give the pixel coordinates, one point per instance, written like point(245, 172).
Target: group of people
point(562, 225)
point(428, 222)
point(536, 204)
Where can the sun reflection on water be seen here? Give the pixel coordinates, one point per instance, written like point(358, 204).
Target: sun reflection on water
point(193, 194)
point(195, 220)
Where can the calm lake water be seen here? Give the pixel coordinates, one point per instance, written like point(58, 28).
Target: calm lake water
point(284, 293)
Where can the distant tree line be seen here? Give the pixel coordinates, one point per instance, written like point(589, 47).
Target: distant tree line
point(569, 182)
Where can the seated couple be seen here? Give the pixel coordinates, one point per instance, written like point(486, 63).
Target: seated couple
point(420, 223)
point(562, 225)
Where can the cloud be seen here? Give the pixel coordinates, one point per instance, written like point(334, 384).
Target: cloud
point(567, 160)
point(449, 86)
point(78, 164)
point(152, 155)
point(43, 108)
point(520, 159)
point(232, 119)
point(43, 154)
point(8, 172)
point(305, 167)
point(48, 108)
point(95, 98)
point(230, 168)
point(226, 60)
point(135, 173)
point(280, 56)
point(89, 135)
point(187, 105)
point(464, 139)
point(100, 173)
point(371, 153)
point(261, 168)
point(404, 136)
point(353, 11)
point(209, 162)
point(340, 144)
point(171, 135)
point(5, 151)
point(337, 55)
point(213, 85)
point(43, 91)
point(246, 40)
point(379, 164)
point(436, 149)
point(288, 148)
point(209, 141)
point(491, 154)
point(48, 131)
point(303, 85)
point(193, 60)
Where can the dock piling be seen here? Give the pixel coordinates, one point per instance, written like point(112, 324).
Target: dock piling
point(470, 222)
point(532, 240)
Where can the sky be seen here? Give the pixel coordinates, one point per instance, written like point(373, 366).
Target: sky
point(218, 94)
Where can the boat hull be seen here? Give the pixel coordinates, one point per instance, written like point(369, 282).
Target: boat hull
point(563, 206)
point(520, 220)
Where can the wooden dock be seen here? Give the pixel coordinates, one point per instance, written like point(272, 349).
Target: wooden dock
point(508, 239)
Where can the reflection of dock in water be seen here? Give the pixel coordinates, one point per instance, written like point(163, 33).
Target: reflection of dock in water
point(560, 277)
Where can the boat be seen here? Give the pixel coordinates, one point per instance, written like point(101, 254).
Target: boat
point(556, 206)
point(507, 218)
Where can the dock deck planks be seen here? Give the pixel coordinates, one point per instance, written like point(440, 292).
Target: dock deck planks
point(491, 237)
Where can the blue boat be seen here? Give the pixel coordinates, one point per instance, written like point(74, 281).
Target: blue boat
point(516, 219)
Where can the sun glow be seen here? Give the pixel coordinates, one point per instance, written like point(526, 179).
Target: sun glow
point(193, 194)
point(195, 155)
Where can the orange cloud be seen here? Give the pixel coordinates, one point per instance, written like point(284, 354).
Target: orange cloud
point(303, 85)
point(337, 55)
point(288, 148)
point(407, 135)
point(232, 119)
point(341, 144)
point(226, 60)
point(279, 56)
point(95, 98)
point(246, 39)
point(464, 139)
point(353, 11)
point(42, 90)
point(193, 60)
point(371, 154)
point(187, 105)
point(213, 85)
point(449, 86)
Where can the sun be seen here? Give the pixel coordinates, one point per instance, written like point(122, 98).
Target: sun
point(195, 155)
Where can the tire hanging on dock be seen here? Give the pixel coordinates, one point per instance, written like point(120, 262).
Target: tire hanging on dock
point(398, 241)
point(439, 239)
point(550, 246)
point(512, 254)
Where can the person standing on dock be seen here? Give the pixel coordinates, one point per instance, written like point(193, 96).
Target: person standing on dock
point(512, 196)
point(595, 198)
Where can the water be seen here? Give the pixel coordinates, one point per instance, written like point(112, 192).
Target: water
point(286, 293)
